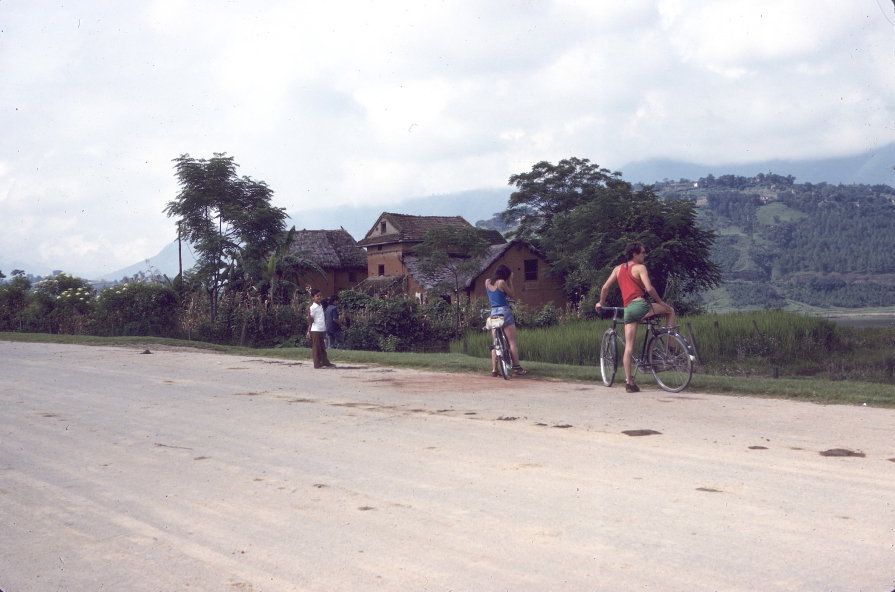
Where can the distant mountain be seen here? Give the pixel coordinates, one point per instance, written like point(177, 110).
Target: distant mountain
point(871, 167)
point(165, 262)
point(6, 266)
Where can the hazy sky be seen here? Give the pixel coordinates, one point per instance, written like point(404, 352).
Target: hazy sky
point(373, 102)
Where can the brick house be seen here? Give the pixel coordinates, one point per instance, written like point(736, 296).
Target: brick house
point(336, 251)
point(392, 267)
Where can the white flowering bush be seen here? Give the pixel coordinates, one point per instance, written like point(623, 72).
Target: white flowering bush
point(80, 300)
point(60, 303)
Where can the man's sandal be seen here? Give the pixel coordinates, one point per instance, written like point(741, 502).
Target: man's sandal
point(519, 371)
point(495, 373)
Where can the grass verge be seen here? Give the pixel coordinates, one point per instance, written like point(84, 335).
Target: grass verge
point(809, 389)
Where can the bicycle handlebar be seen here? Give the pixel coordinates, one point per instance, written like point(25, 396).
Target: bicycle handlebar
point(604, 311)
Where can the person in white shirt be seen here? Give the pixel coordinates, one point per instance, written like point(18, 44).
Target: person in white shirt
point(317, 331)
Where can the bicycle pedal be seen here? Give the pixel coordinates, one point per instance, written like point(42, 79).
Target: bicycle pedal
point(491, 347)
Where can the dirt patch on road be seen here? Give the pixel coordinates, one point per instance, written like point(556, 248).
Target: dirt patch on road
point(841, 452)
point(458, 383)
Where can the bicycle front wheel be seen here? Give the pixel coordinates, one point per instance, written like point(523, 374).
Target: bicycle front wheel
point(670, 361)
point(608, 357)
point(504, 357)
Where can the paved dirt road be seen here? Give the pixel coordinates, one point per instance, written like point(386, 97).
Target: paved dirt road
point(184, 470)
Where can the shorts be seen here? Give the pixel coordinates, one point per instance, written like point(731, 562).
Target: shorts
point(635, 311)
point(507, 313)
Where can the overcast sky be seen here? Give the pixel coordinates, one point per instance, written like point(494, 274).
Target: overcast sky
point(377, 101)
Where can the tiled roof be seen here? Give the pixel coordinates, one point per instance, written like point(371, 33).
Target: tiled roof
point(411, 229)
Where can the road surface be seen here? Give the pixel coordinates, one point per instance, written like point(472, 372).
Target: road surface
point(188, 470)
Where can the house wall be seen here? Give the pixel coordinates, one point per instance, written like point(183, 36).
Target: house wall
point(343, 279)
point(389, 256)
point(534, 293)
point(336, 281)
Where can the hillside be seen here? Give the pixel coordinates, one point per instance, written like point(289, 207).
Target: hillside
point(796, 245)
point(800, 246)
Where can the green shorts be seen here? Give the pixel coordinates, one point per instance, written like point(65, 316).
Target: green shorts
point(635, 311)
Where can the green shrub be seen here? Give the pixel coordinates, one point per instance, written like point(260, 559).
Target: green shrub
point(137, 308)
point(14, 298)
point(59, 304)
point(399, 324)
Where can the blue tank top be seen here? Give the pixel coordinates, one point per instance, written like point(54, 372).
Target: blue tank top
point(496, 297)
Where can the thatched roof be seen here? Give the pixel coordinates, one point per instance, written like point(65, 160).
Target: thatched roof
point(330, 249)
point(403, 228)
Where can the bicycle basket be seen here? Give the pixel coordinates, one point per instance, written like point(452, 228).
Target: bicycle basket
point(494, 322)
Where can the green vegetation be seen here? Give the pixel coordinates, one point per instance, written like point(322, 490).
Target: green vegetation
point(582, 216)
point(229, 220)
point(815, 390)
point(744, 345)
point(776, 212)
point(791, 245)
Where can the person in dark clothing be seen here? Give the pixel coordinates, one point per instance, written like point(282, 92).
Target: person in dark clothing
point(334, 330)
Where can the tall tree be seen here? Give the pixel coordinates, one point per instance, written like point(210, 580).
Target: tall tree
point(224, 216)
point(549, 190)
point(582, 216)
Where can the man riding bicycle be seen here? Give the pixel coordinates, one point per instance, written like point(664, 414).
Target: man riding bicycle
point(639, 298)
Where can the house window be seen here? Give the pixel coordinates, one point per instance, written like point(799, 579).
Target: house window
point(382, 228)
point(382, 270)
point(531, 270)
point(352, 277)
point(378, 247)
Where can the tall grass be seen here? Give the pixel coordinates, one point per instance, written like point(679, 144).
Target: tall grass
point(779, 337)
point(756, 344)
point(574, 343)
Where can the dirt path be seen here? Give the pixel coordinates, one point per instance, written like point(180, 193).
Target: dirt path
point(187, 470)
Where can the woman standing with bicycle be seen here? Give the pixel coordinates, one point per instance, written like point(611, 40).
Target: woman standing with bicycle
point(637, 290)
point(499, 289)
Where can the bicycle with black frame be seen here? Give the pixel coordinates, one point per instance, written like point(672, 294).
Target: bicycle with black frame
point(665, 352)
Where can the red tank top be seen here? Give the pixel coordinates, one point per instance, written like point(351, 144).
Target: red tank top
point(630, 286)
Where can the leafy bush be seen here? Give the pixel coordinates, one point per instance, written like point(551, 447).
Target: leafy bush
point(59, 304)
point(398, 324)
point(251, 322)
point(14, 298)
point(137, 308)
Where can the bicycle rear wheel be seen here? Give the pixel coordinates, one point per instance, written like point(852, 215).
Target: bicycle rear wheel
point(504, 359)
point(608, 357)
point(669, 359)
